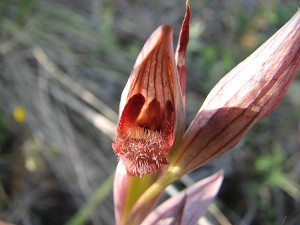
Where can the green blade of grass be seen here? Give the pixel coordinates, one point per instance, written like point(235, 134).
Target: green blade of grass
point(84, 212)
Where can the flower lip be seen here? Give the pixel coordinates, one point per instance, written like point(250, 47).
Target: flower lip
point(144, 139)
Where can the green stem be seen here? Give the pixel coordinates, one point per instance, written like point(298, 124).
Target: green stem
point(138, 185)
point(151, 194)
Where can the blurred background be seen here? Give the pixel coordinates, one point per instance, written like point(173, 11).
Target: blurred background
point(63, 65)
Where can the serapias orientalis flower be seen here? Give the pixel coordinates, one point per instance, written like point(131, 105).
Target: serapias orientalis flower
point(151, 108)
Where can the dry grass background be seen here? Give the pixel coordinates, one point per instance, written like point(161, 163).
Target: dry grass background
point(65, 62)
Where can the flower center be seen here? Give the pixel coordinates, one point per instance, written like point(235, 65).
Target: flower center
point(151, 116)
point(145, 135)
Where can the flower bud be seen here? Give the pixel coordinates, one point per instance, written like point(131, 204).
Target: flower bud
point(245, 95)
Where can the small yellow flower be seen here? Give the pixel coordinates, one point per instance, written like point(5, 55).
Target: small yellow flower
point(19, 114)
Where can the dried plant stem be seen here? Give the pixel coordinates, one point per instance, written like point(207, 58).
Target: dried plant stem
point(72, 85)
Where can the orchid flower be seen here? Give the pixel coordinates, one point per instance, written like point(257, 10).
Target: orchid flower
point(152, 146)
